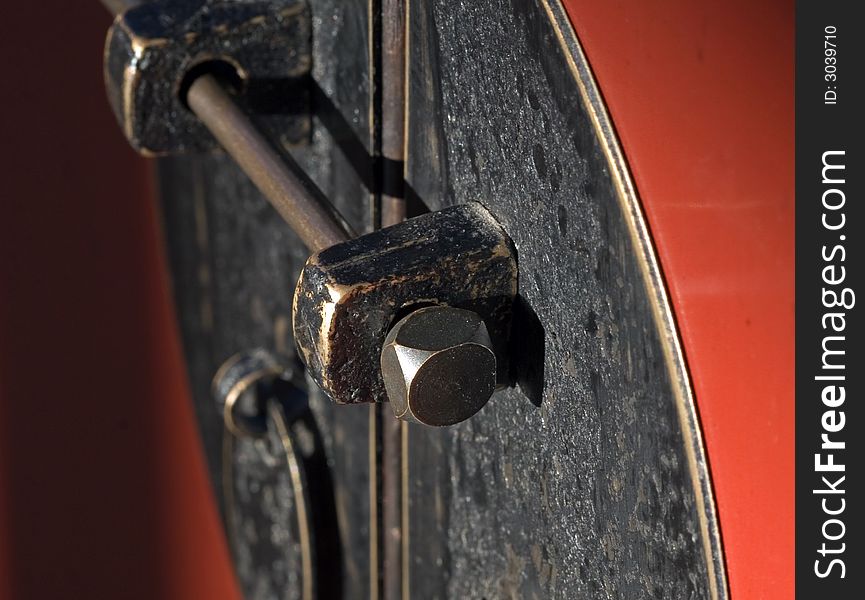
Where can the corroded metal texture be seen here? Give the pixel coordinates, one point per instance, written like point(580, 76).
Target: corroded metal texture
point(348, 296)
point(281, 515)
point(577, 483)
point(262, 525)
point(151, 49)
point(584, 481)
point(234, 264)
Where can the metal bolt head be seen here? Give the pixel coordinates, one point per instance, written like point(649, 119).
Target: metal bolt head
point(438, 366)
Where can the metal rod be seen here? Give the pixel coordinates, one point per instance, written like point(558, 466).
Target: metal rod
point(281, 180)
point(115, 7)
point(311, 217)
point(319, 226)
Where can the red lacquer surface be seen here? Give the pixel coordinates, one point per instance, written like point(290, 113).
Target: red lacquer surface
point(701, 95)
point(102, 484)
point(103, 488)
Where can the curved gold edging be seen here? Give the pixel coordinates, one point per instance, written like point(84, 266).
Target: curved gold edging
point(664, 319)
point(236, 391)
point(301, 499)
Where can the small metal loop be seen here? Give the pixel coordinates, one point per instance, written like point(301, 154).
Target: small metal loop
point(279, 412)
point(241, 387)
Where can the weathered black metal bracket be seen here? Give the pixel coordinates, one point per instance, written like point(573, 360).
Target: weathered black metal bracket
point(153, 48)
point(348, 296)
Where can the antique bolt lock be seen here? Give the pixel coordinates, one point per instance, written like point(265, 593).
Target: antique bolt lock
point(418, 314)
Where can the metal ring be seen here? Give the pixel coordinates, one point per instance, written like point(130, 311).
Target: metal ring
point(235, 377)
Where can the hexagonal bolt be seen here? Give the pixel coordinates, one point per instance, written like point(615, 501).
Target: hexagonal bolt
point(438, 366)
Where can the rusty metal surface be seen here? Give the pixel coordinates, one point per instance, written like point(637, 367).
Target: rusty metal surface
point(207, 92)
point(281, 518)
point(349, 295)
point(263, 526)
point(150, 49)
point(575, 484)
point(234, 264)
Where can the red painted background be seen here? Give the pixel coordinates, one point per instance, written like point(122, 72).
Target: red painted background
point(701, 95)
point(103, 491)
